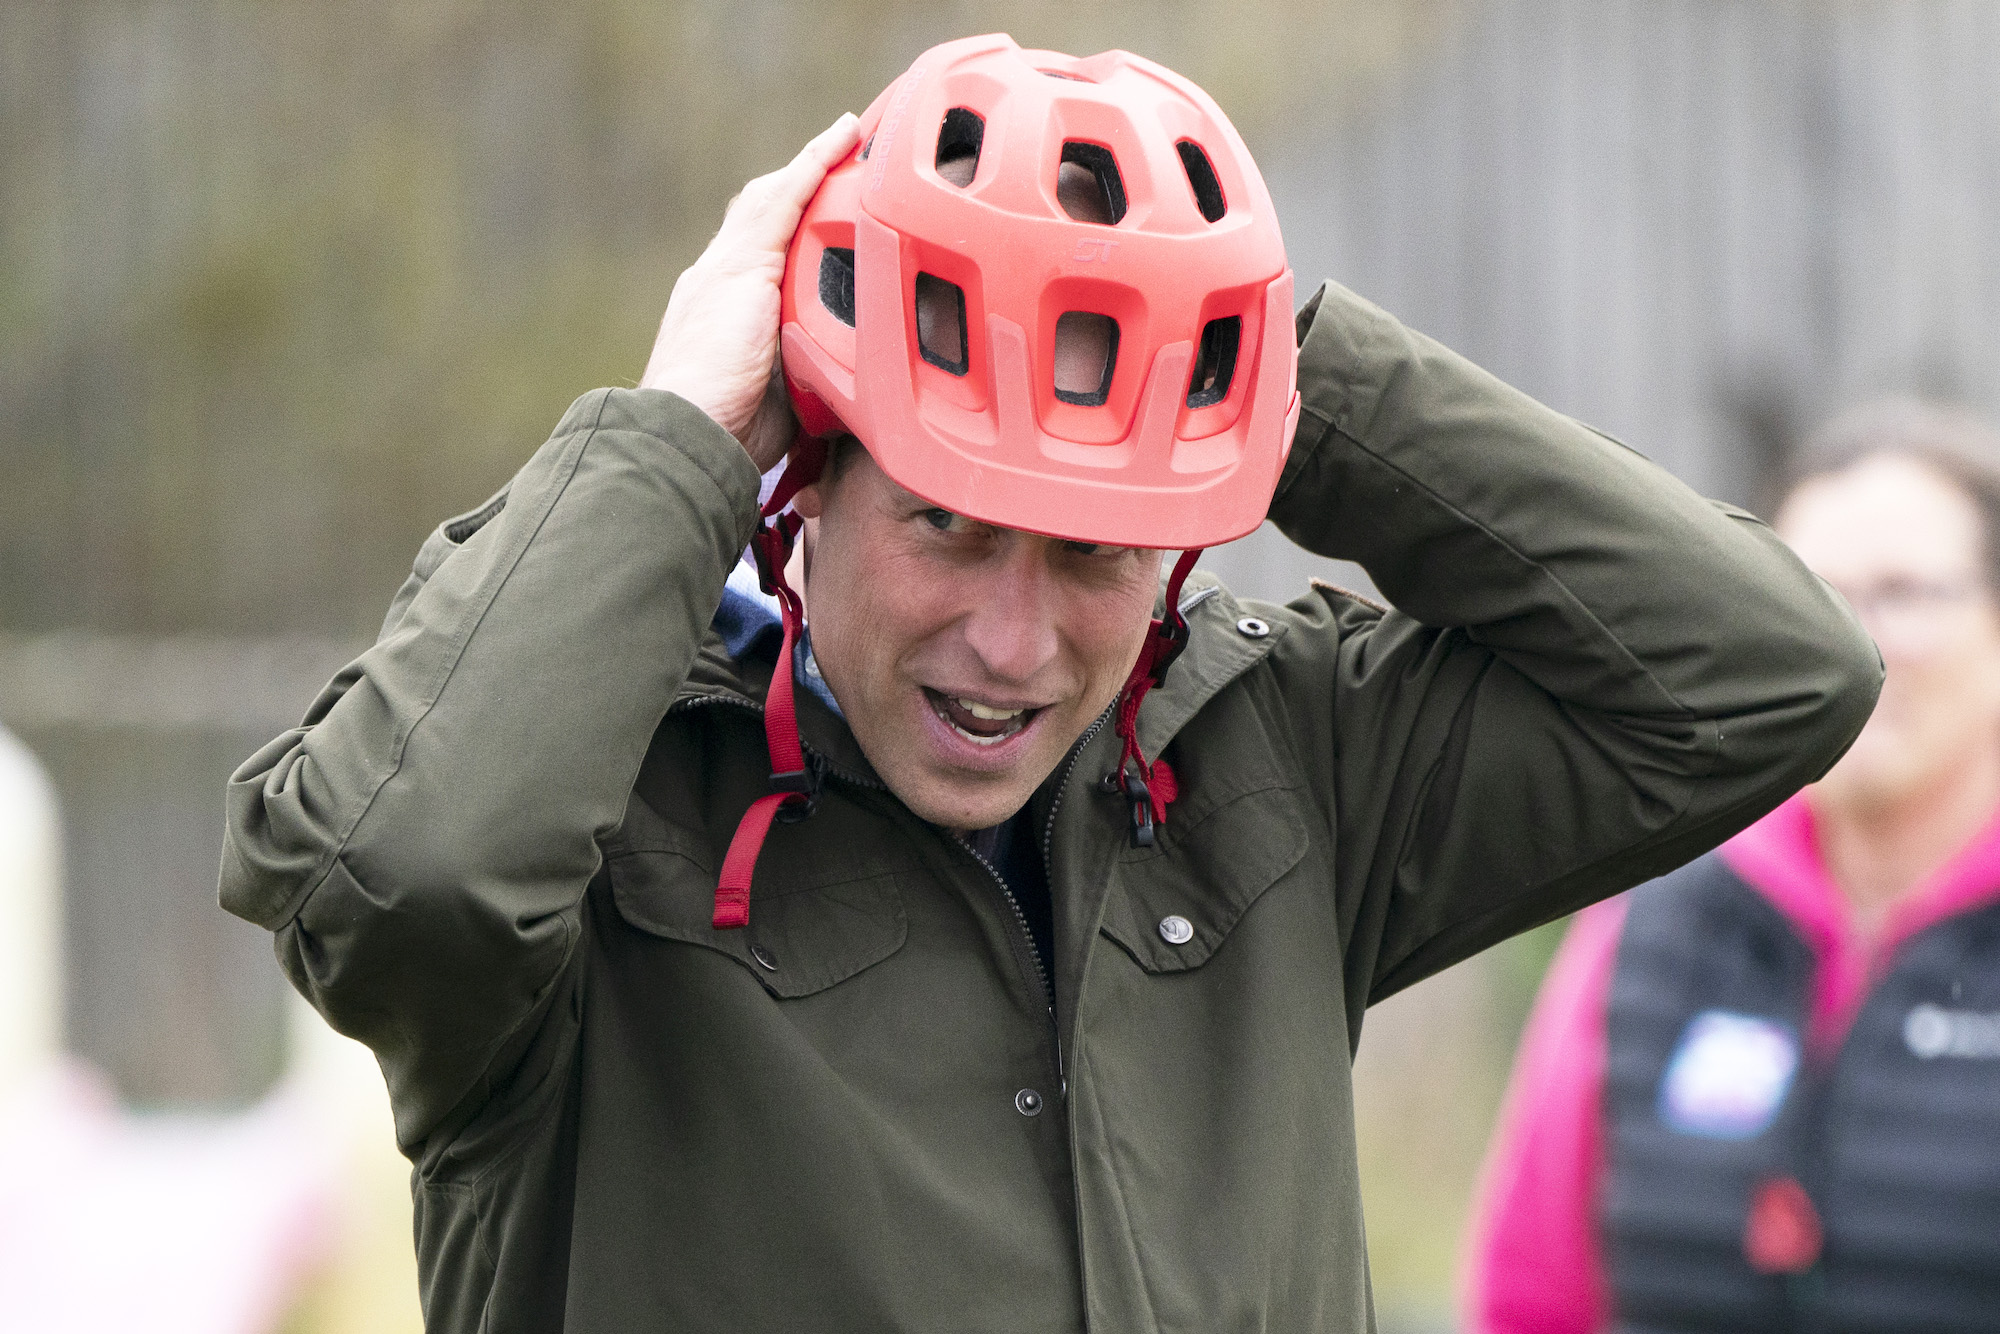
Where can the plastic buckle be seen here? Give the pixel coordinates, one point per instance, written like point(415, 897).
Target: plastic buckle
point(1173, 636)
point(772, 546)
point(1141, 796)
point(801, 796)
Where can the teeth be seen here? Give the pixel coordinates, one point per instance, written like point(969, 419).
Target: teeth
point(985, 713)
point(981, 712)
point(976, 739)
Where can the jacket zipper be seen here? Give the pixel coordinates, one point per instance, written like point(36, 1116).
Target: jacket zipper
point(1062, 788)
point(1020, 919)
point(703, 701)
point(1188, 604)
point(814, 757)
point(1027, 938)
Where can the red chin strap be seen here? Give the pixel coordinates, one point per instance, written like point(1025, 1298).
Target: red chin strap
point(1150, 785)
point(792, 791)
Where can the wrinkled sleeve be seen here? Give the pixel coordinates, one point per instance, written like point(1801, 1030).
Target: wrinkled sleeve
point(421, 845)
point(1533, 1262)
point(1590, 674)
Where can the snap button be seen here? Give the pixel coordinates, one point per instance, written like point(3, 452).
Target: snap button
point(1176, 930)
point(764, 957)
point(1253, 628)
point(1028, 1102)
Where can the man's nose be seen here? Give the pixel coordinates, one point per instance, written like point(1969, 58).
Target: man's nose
point(1012, 624)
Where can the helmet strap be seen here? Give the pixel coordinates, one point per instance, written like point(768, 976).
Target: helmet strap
point(794, 788)
point(1149, 785)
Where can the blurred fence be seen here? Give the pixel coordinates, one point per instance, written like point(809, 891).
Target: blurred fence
point(1695, 223)
point(286, 283)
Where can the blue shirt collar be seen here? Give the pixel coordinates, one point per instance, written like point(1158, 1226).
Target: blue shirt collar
point(749, 625)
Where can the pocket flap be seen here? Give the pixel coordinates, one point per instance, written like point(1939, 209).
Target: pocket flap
point(1200, 880)
point(801, 938)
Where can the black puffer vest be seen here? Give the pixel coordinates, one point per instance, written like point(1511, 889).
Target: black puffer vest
point(1708, 1095)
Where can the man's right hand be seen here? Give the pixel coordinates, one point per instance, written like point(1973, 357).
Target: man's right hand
point(718, 342)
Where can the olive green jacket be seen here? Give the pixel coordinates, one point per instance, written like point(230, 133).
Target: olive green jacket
point(490, 853)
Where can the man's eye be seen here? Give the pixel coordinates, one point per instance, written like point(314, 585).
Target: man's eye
point(944, 521)
point(1097, 550)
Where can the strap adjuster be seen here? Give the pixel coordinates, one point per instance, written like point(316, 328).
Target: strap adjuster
point(1129, 781)
point(1171, 634)
point(1140, 794)
point(1165, 639)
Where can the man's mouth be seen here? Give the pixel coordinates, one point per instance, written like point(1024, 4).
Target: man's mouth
point(980, 723)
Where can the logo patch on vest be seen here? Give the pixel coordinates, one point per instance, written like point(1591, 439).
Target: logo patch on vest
point(1728, 1075)
point(1931, 1031)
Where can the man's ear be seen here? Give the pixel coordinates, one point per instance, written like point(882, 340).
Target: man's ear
point(809, 501)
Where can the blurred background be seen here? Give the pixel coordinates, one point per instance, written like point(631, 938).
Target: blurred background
point(282, 284)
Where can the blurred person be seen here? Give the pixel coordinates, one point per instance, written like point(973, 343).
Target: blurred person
point(1763, 1092)
point(31, 904)
point(110, 1219)
point(1043, 1008)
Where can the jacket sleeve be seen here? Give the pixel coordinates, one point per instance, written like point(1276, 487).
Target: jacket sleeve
point(421, 845)
point(1534, 1263)
point(1591, 674)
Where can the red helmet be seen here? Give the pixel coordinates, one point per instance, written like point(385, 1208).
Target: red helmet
point(921, 314)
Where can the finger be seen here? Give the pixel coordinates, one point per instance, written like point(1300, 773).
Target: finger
point(769, 437)
point(831, 144)
point(791, 187)
point(768, 210)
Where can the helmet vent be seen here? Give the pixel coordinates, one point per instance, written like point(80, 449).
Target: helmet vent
point(868, 148)
point(1201, 178)
point(1215, 362)
point(1088, 185)
point(836, 283)
point(941, 323)
point(958, 145)
point(1086, 354)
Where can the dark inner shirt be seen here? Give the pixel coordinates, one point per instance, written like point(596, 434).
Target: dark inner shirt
point(1016, 854)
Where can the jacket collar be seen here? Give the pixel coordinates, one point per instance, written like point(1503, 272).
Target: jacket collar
point(1217, 653)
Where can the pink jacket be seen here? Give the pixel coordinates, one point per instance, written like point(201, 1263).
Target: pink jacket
point(1533, 1265)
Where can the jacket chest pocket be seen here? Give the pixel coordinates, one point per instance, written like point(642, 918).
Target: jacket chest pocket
point(808, 930)
point(1178, 902)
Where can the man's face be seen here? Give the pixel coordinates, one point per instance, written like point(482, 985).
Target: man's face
point(967, 658)
point(1903, 544)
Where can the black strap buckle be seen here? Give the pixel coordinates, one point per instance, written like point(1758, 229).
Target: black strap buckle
point(801, 787)
point(1172, 632)
point(771, 545)
point(1127, 780)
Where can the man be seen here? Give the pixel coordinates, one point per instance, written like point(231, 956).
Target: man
point(970, 969)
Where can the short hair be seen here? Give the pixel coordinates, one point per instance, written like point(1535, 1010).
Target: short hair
point(840, 452)
point(1949, 440)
